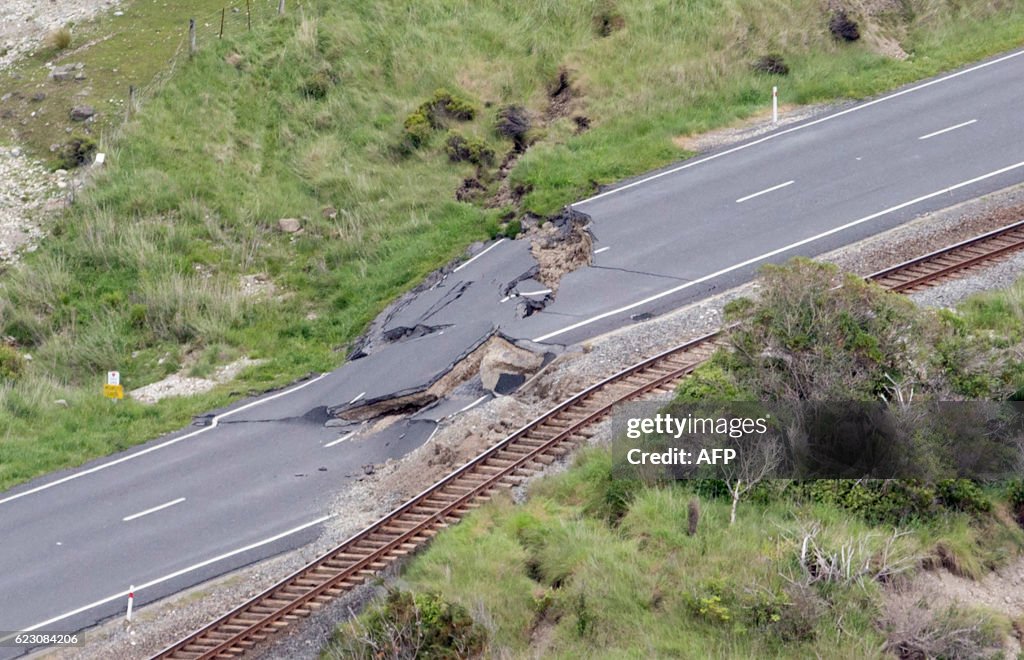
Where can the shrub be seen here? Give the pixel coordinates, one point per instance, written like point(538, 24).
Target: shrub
point(916, 632)
point(710, 382)
point(843, 27)
point(514, 123)
point(1016, 497)
point(431, 114)
point(59, 39)
point(11, 364)
point(473, 150)
point(814, 333)
point(708, 602)
point(772, 63)
point(879, 502)
point(617, 496)
point(445, 104)
point(418, 128)
point(137, 316)
point(457, 147)
point(962, 495)
point(410, 625)
point(77, 151)
point(798, 619)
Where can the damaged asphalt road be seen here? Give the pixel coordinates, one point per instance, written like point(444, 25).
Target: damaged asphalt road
point(256, 479)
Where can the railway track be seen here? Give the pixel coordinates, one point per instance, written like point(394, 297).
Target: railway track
point(401, 532)
point(510, 462)
point(953, 261)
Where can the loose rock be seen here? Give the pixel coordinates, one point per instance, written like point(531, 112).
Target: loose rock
point(289, 225)
point(82, 112)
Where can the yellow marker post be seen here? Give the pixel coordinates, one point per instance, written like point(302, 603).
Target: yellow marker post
point(113, 391)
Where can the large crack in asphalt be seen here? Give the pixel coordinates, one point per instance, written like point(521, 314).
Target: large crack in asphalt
point(499, 282)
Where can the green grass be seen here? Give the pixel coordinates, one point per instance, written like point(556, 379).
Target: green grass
point(137, 48)
point(1000, 312)
point(142, 275)
point(648, 589)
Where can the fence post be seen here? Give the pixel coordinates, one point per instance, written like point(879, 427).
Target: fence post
point(191, 37)
point(280, 7)
point(222, 11)
point(131, 103)
point(248, 14)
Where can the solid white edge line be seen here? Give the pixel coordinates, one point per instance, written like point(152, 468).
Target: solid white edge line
point(780, 250)
point(171, 576)
point(341, 439)
point(947, 130)
point(535, 293)
point(358, 396)
point(764, 192)
point(772, 136)
point(599, 251)
point(153, 510)
point(462, 410)
point(496, 244)
point(213, 425)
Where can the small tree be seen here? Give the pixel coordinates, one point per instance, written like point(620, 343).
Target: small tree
point(756, 459)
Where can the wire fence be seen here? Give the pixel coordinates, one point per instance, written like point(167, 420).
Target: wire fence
point(196, 32)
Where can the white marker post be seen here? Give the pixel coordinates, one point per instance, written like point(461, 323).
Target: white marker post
point(775, 105)
point(128, 619)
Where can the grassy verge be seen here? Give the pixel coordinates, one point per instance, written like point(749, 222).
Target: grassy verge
point(566, 575)
point(303, 118)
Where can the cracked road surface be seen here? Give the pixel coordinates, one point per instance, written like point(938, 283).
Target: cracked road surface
point(258, 478)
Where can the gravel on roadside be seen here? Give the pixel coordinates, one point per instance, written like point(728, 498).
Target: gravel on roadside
point(24, 24)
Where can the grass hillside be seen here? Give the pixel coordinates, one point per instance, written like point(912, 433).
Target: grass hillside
point(313, 116)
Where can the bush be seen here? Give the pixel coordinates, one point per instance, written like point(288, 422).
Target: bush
point(893, 502)
point(410, 625)
point(916, 632)
point(513, 122)
point(59, 39)
point(816, 334)
point(773, 64)
point(798, 619)
point(473, 150)
point(1016, 497)
point(432, 113)
point(418, 128)
point(618, 495)
point(962, 495)
point(11, 364)
point(843, 27)
point(445, 104)
point(77, 151)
